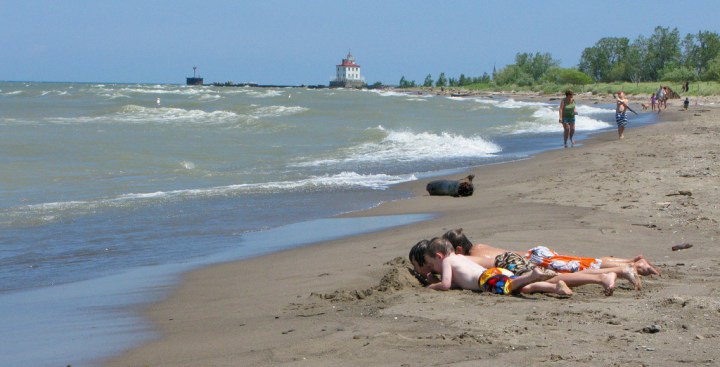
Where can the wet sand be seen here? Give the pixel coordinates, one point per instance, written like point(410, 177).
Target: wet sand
point(353, 301)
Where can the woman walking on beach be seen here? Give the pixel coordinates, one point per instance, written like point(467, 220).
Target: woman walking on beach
point(567, 117)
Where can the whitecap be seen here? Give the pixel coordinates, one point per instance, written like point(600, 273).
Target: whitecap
point(46, 212)
point(277, 111)
point(545, 120)
point(408, 146)
point(135, 114)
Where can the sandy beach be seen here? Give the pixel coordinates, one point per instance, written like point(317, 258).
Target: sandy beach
point(354, 302)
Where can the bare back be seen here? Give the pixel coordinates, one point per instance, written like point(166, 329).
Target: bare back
point(465, 273)
point(485, 254)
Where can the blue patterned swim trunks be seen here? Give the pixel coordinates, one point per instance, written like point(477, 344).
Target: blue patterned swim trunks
point(621, 119)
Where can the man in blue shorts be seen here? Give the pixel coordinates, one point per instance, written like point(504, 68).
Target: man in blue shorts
point(621, 114)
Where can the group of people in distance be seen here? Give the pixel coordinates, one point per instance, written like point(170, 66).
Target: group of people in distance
point(453, 261)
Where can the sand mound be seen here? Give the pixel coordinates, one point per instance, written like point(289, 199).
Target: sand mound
point(397, 277)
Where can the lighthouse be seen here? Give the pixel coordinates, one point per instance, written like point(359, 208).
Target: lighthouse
point(347, 74)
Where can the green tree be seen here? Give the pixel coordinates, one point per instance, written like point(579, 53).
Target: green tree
point(535, 65)
point(663, 50)
point(699, 50)
point(513, 74)
point(428, 81)
point(713, 70)
point(485, 78)
point(677, 75)
point(442, 81)
point(636, 67)
point(404, 83)
point(558, 75)
point(600, 61)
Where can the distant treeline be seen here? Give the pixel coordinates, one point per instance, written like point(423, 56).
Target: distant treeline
point(663, 56)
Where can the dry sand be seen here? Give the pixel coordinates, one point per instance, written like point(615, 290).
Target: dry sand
point(353, 302)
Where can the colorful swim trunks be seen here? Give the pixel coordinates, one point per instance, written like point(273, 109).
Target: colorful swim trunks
point(547, 258)
point(621, 119)
point(496, 280)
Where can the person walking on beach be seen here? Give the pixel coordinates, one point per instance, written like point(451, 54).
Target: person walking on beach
point(567, 117)
point(660, 97)
point(621, 114)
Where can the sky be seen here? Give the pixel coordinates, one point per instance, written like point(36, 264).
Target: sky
point(295, 42)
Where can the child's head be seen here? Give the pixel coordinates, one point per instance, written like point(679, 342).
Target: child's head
point(417, 257)
point(459, 241)
point(437, 250)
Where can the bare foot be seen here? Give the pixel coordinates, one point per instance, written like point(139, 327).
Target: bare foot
point(540, 274)
point(643, 267)
point(608, 283)
point(562, 289)
point(631, 275)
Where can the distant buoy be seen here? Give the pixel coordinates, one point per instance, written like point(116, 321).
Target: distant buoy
point(290, 95)
point(157, 101)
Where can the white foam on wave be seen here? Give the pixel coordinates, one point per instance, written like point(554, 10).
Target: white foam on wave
point(254, 92)
point(269, 93)
point(47, 212)
point(114, 92)
point(545, 120)
point(164, 115)
point(512, 104)
point(277, 111)
point(507, 103)
point(408, 146)
point(392, 93)
point(589, 110)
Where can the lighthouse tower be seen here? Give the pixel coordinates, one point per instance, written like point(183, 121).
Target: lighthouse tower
point(347, 74)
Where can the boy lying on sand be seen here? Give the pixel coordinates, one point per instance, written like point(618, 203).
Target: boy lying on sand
point(460, 272)
point(519, 266)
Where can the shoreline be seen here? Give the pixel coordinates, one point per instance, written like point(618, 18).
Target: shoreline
point(352, 300)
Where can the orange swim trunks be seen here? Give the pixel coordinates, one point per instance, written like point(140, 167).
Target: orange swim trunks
point(547, 258)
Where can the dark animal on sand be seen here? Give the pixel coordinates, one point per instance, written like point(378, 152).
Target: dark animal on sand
point(462, 187)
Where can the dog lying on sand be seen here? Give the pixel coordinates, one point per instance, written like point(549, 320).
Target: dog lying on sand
point(462, 187)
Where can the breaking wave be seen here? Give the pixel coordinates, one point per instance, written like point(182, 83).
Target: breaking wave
point(408, 146)
point(49, 212)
